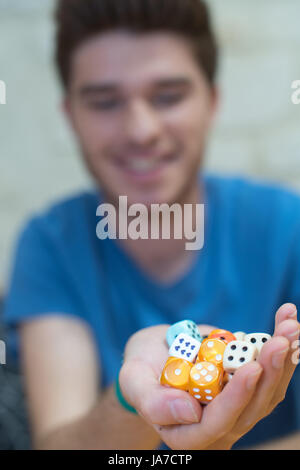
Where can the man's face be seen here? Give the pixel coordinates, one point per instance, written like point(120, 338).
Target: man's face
point(141, 109)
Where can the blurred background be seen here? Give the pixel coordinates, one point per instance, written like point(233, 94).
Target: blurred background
point(256, 135)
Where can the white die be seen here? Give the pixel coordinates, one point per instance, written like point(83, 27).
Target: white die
point(240, 335)
point(238, 353)
point(185, 347)
point(257, 339)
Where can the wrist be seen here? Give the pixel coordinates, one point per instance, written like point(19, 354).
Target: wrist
point(121, 399)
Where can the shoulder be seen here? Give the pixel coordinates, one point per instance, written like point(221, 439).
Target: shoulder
point(255, 198)
point(63, 218)
point(252, 189)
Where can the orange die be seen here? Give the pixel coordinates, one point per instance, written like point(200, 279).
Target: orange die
point(223, 335)
point(176, 373)
point(212, 350)
point(206, 381)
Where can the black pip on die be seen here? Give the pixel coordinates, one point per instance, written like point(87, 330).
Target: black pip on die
point(237, 354)
point(257, 339)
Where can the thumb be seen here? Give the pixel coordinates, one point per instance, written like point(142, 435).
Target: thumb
point(156, 403)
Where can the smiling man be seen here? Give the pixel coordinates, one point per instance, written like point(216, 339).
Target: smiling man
point(140, 94)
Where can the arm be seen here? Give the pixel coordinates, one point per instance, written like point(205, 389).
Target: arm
point(66, 408)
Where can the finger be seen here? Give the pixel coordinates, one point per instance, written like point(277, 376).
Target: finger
point(290, 330)
point(285, 312)
point(287, 328)
point(157, 404)
point(271, 359)
point(219, 417)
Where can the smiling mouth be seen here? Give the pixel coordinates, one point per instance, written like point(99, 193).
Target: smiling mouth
point(143, 165)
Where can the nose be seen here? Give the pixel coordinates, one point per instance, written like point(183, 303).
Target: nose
point(142, 124)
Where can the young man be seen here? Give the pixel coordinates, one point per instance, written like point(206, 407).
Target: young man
point(140, 94)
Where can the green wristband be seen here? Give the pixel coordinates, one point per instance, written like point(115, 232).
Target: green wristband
point(122, 400)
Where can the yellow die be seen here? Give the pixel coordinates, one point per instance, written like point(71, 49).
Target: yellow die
point(206, 381)
point(212, 350)
point(176, 373)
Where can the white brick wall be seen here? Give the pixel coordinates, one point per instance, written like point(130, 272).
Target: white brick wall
point(260, 43)
point(256, 134)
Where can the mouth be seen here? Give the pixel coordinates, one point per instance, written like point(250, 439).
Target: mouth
point(146, 167)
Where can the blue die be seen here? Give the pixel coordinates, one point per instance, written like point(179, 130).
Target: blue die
point(186, 326)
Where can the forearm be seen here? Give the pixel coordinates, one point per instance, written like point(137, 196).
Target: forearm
point(106, 426)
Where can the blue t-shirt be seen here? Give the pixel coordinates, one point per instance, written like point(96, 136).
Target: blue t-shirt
point(249, 266)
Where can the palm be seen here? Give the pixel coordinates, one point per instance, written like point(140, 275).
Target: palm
point(149, 347)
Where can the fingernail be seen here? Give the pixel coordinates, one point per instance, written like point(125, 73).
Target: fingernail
point(279, 358)
point(253, 379)
point(183, 412)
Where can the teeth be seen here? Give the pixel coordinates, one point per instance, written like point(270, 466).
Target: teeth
point(142, 165)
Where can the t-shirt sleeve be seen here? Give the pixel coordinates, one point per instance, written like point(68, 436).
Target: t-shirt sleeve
point(38, 284)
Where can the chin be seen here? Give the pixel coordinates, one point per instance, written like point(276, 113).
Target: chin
point(167, 190)
point(157, 196)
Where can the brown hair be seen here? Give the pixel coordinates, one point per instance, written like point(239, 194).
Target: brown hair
point(79, 20)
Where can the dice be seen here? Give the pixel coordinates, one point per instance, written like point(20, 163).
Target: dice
point(185, 326)
point(176, 373)
point(212, 350)
point(238, 353)
point(202, 366)
point(223, 335)
point(239, 335)
point(257, 339)
point(206, 381)
point(185, 347)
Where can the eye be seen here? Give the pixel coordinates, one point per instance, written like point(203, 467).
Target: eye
point(167, 99)
point(105, 104)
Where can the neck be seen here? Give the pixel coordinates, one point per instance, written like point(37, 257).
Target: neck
point(166, 260)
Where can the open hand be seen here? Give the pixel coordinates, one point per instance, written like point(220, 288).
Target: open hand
point(182, 423)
